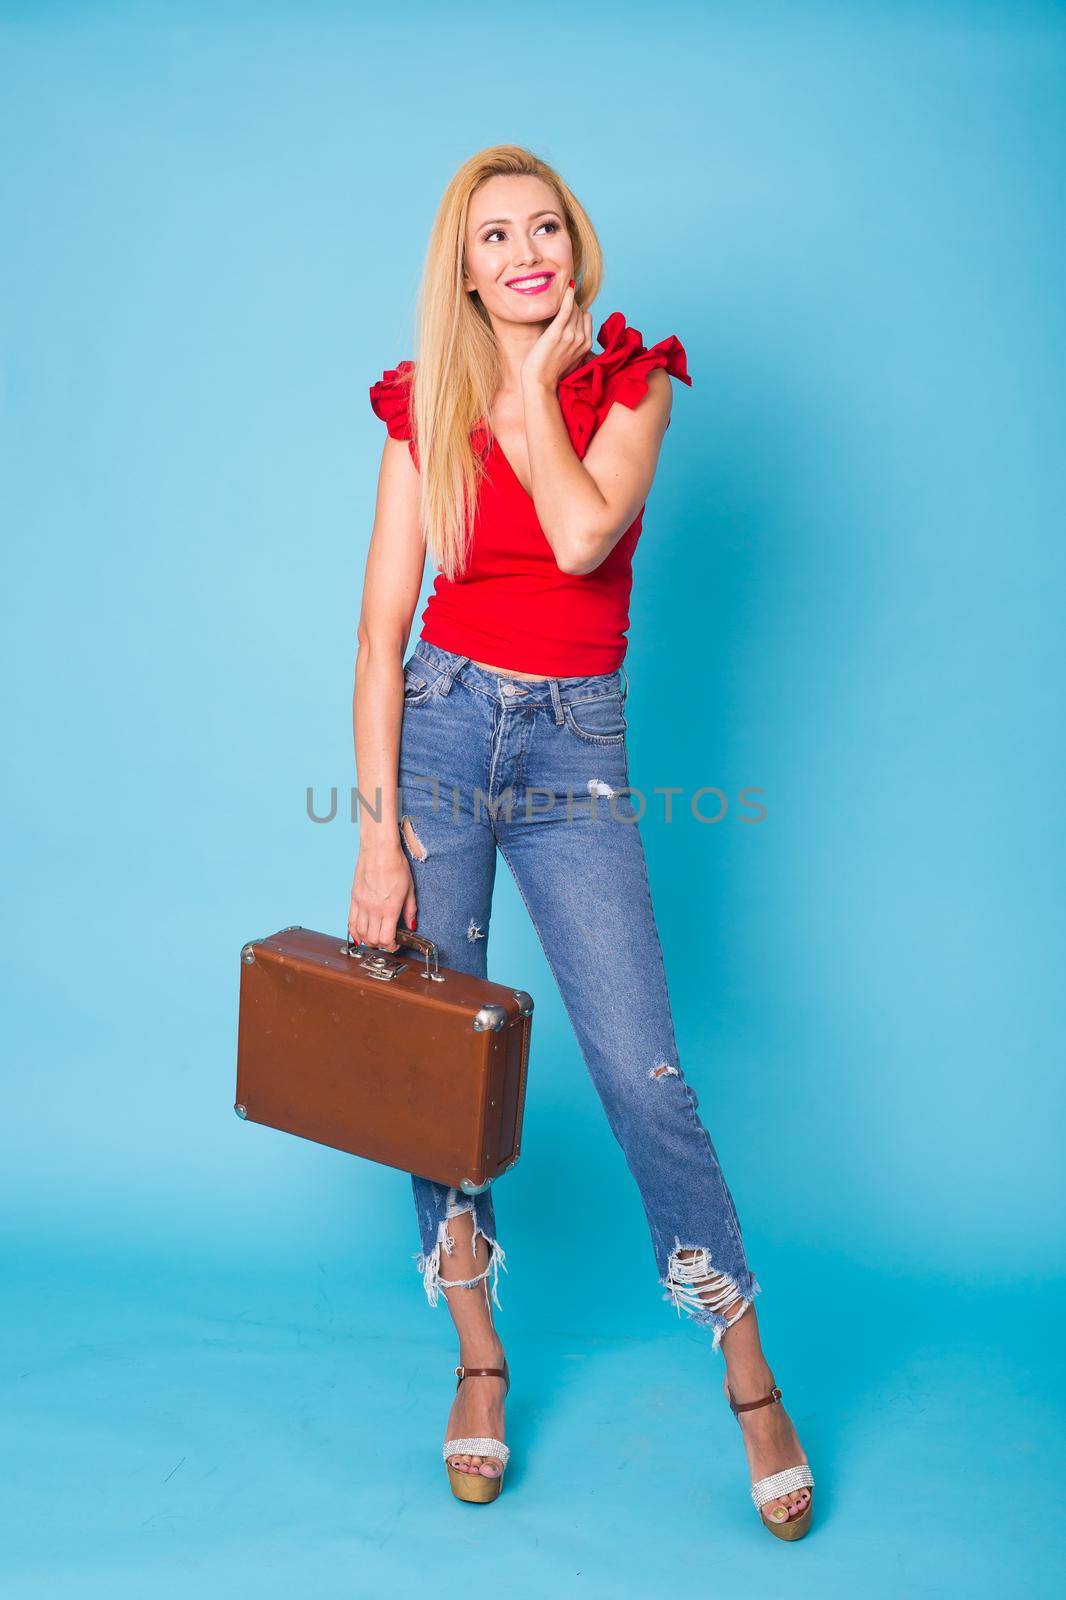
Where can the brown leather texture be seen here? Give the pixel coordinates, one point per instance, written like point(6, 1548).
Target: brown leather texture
point(391, 1068)
point(503, 1372)
point(753, 1405)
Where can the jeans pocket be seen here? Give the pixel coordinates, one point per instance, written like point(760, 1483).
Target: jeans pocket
point(598, 721)
point(419, 682)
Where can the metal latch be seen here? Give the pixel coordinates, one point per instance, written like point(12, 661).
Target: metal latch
point(382, 966)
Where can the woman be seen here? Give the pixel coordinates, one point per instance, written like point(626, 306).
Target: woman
point(508, 457)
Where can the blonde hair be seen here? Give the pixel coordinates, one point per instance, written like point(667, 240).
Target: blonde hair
point(457, 372)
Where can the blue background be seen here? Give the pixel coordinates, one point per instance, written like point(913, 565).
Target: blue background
point(216, 1355)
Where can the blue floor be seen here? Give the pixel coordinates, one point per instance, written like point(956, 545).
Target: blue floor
point(214, 1432)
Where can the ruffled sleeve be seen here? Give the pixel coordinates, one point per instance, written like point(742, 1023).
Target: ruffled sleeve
point(619, 372)
point(390, 399)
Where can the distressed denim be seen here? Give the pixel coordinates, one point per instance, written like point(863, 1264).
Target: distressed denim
point(539, 772)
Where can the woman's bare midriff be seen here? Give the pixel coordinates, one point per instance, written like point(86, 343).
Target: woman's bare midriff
point(506, 672)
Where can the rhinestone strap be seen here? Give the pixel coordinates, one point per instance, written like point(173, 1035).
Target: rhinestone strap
point(476, 1447)
point(780, 1483)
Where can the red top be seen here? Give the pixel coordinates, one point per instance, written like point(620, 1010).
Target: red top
point(513, 606)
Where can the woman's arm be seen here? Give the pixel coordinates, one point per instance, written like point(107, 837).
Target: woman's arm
point(585, 506)
point(382, 890)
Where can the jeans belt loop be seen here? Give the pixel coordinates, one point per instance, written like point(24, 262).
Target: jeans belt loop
point(557, 699)
point(449, 676)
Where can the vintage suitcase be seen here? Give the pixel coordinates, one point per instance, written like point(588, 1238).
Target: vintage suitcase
point(384, 1054)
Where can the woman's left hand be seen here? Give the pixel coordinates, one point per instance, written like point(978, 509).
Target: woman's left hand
point(566, 339)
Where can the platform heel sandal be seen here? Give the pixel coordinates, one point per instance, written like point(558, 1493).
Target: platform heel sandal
point(478, 1487)
point(778, 1483)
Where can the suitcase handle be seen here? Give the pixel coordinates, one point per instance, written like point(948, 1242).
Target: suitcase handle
point(403, 936)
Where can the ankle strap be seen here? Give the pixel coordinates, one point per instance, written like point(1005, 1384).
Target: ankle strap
point(483, 1372)
point(753, 1405)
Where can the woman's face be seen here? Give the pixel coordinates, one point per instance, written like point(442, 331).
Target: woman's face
point(519, 256)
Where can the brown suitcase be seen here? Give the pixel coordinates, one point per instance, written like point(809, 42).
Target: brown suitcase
point(384, 1054)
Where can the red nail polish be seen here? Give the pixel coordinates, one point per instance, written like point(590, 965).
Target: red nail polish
point(571, 283)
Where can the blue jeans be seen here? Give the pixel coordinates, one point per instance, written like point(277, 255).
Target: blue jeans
point(539, 772)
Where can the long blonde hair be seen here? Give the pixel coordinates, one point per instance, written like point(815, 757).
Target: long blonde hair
point(457, 372)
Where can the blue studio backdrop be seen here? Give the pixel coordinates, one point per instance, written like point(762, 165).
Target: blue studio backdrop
point(220, 1372)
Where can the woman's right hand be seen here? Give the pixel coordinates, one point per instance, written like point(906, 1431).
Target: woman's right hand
point(383, 894)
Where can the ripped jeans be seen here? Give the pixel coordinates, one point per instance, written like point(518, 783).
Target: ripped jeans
point(539, 772)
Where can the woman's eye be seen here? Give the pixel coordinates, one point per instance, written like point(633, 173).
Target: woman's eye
point(497, 233)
